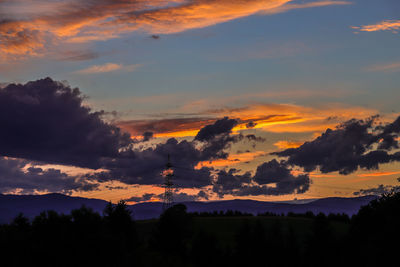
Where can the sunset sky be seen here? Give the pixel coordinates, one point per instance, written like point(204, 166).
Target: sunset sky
point(231, 89)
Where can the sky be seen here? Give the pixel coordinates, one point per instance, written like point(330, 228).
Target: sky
point(260, 99)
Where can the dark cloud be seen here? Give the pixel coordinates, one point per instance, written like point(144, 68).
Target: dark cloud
point(143, 198)
point(46, 121)
point(155, 37)
point(229, 181)
point(347, 148)
point(178, 197)
point(147, 136)
point(271, 178)
point(18, 174)
point(389, 135)
point(252, 137)
point(217, 138)
point(377, 191)
point(145, 166)
point(251, 124)
point(220, 127)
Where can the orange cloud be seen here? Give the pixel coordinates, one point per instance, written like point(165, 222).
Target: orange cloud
point(386, 25)
point(108, 67)
point(277, 118)
point(378, 174)
point(231, 160)
point(167, 127)
point(29, 25)
point(288, 7)
point(287, 144)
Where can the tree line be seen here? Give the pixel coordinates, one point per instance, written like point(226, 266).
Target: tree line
point(86, 238)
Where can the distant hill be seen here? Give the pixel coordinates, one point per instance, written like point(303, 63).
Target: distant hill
point(349, 206)
point(32, 205)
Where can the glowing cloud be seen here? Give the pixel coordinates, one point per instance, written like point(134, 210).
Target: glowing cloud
point(108, 67)
point(231, 160)
point(275, 118)
point(29, 26)
point(378, 174)
point(386, 25)
point(287, 144)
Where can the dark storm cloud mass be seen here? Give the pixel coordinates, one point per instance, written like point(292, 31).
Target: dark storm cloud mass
point(145, 166)
point(17, 173)
point(46, 121)
point(347, 148)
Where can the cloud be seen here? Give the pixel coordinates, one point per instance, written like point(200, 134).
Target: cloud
point(386, 25)
point(352, 145)
point(178, 197)
point(144, 166)
point(377, 191)
point(389, 67)
point(47, 121)
point(143, 198)
point(271, 178)
point(108, 67)
point(28, 27)
point(177, 127)
point(232, 159)
point(276, 118)
point(287, 144)
point(378, 174)
point(220, 127)
point(289, 6)
point(18, 174)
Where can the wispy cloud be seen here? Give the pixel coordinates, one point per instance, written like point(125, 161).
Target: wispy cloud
point(108, 67)
point(388, 67)
point(289, 6)
point(386, 25)
point(27, 30)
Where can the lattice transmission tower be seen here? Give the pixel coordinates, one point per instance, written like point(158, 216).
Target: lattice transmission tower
point(168, 173)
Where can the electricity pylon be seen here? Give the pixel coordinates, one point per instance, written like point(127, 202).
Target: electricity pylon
point(168, 173)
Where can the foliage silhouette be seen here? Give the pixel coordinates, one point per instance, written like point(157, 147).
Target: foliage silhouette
point(177, 238)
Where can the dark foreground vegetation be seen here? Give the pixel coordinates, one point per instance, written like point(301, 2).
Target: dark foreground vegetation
point(85, 238)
